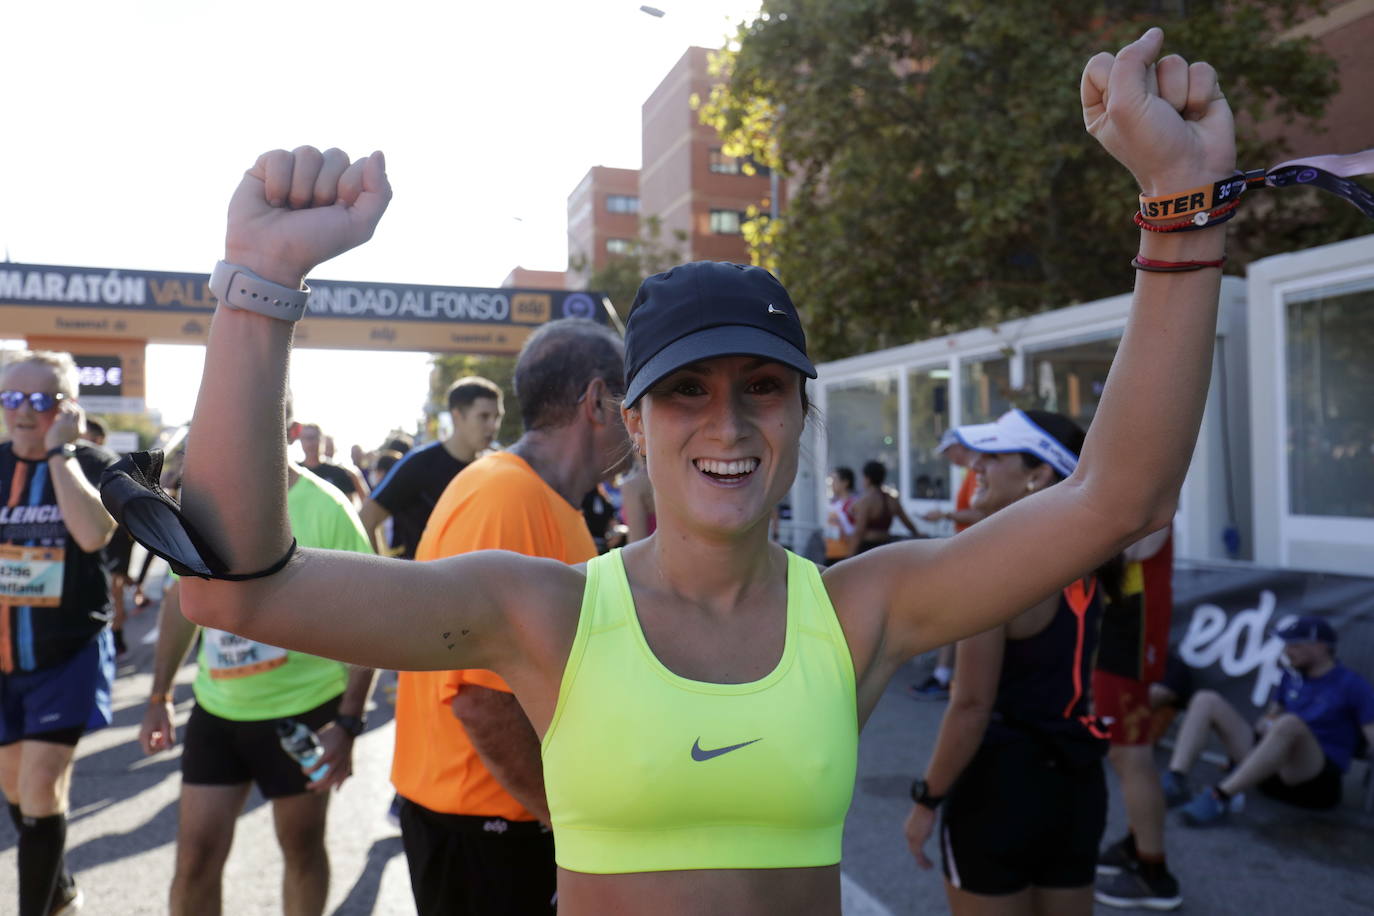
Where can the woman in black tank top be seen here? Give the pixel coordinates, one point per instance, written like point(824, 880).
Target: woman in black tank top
point(1018, 761)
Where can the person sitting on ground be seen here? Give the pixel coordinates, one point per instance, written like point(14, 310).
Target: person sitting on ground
point(874, 511)
point(1301, 746)
point(698, 694)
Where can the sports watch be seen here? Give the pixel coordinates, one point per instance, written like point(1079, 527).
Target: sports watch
point(240, 288)
point(920, 794)
point(66, 450)
point(351, 725)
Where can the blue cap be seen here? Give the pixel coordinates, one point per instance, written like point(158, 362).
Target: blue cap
point(1307, 629)
point(707, 309)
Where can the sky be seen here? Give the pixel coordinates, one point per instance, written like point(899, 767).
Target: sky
point(127, 126)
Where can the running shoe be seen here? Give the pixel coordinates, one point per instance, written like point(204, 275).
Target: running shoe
point(1176, 791)
point(1205, 809)
point(1130, 888)
point(68, 897)
point(929, 689)
point(1117, 857)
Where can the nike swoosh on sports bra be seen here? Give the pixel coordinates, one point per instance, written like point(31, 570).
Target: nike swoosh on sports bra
point(649, 771)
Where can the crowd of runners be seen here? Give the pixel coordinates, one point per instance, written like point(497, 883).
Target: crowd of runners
point(617, 692)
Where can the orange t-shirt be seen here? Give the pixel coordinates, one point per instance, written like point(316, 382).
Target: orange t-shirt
point(495, 503)
point(965, 496)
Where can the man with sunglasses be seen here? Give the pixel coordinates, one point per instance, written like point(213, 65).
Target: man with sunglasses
point(56, 651)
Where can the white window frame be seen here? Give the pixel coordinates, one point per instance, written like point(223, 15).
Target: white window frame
point(1353, 532)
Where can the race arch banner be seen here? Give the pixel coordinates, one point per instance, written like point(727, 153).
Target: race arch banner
point(1224, 620)
point(162, 307)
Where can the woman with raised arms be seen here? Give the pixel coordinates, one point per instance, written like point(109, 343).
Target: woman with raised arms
point(699, 693)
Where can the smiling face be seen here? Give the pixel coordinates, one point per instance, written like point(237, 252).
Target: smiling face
point(722, 439)
point(27, 426)
point(1003, 478)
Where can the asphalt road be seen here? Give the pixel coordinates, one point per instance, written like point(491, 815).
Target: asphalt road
point(121, 841)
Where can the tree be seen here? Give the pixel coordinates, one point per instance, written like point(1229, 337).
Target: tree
point(620, 277)
point(940, 174)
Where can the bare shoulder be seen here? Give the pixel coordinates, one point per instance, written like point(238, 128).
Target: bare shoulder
point(861, 589)
point(523, 582)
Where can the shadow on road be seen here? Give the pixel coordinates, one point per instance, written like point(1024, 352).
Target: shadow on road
point(362, 896)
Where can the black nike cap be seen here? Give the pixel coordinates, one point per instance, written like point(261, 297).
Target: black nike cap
point(707, 309)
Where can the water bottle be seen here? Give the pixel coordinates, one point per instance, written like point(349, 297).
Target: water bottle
point(302, 745)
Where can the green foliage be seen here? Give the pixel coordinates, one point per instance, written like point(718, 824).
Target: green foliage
point(450, 367)
point(620, 277)
point(940, 175)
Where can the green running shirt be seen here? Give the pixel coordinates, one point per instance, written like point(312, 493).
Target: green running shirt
point(649, 771)
point(249, 681)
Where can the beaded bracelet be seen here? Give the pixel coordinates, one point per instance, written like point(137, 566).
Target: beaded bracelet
point(1203, 220)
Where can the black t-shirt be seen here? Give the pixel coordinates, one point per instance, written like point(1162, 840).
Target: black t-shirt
point(411, 489)
point(46, 625)
point(335, 475)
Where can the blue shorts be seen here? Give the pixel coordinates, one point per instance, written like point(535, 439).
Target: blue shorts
point(72, 697)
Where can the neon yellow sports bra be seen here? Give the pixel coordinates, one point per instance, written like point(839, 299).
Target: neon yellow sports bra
point(649, 771)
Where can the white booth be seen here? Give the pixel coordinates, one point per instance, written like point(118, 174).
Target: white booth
point(893, 405)
point(1311, 323)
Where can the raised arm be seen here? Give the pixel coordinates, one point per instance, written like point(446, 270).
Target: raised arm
point(291, 212)
point(1169, 123)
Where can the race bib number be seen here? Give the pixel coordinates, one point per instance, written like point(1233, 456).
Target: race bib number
point(231, 656)
point(31, 575)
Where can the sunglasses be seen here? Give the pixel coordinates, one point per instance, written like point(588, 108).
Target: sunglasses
point(40, 401)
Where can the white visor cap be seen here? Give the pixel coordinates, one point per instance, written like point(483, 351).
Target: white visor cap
point(1016, 432)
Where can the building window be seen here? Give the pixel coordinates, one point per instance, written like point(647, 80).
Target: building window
point(1330, 413)
point(726, 222)
point(617, 246)
point(861, 425)
point(722, 164)
point(622, 203)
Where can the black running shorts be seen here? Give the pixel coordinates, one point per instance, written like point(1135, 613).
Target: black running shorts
point(223, 752)
point(1320, 792)
point(464, 865)
point(1020, 818)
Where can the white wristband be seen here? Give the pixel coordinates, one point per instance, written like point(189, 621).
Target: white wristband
point(240, 288)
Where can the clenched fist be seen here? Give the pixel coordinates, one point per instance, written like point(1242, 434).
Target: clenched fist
point(293, 211)
point(1164, 119)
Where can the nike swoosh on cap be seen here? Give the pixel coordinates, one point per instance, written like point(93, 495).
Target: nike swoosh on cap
point(699, 755)
point(774, 310)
